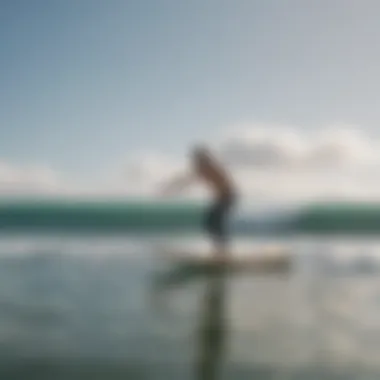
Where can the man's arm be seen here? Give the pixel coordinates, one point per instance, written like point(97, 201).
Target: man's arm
point(178, 184)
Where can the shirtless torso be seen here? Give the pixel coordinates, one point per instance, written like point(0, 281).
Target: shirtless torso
point(215, 177)
point(206, 169)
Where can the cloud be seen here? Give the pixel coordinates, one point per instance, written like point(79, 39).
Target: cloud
point(28, 179)
point(283, 163)
point(268, 163)
point(274, 163)
point(260, 147)
point(284, 147)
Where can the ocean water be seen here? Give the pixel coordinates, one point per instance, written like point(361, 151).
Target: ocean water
point(98, 215)
point(101, 306)
point(112, 216)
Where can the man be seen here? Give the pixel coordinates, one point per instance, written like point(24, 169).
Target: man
point(206, 169)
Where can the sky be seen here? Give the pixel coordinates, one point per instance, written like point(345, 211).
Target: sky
point(94, 91)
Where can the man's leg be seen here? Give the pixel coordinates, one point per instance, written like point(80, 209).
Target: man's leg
point(221, 226)
point(216, 228)
point(221, 239)
point(212, 225)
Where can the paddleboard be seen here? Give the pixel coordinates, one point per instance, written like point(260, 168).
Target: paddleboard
point(256, 259)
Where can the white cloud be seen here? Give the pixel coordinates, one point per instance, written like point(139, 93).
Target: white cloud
point(28, 179)
point(284, 147)
point(274, 162)
point(142, 174)
point(267, 162)
point(262, 147)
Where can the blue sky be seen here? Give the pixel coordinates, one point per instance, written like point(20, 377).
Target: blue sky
point(85, 83)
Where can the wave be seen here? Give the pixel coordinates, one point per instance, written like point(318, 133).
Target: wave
point(96, 215)
point(162, 216)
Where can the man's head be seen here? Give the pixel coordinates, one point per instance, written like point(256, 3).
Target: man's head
point(201, 154)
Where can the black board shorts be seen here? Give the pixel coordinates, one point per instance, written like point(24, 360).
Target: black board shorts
point(217, 217)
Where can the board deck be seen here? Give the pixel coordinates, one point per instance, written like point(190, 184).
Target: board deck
point(264, 259)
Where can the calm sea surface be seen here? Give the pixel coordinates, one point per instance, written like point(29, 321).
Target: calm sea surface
point(109, 307)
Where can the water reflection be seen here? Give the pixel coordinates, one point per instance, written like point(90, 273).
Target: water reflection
point(212, 328)
point(307, 326)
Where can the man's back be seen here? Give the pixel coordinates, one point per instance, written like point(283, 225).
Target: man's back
point(214, 175)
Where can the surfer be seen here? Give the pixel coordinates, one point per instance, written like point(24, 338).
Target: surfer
point(206, 169)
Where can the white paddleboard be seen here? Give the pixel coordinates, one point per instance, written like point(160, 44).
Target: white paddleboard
point(258, 259)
